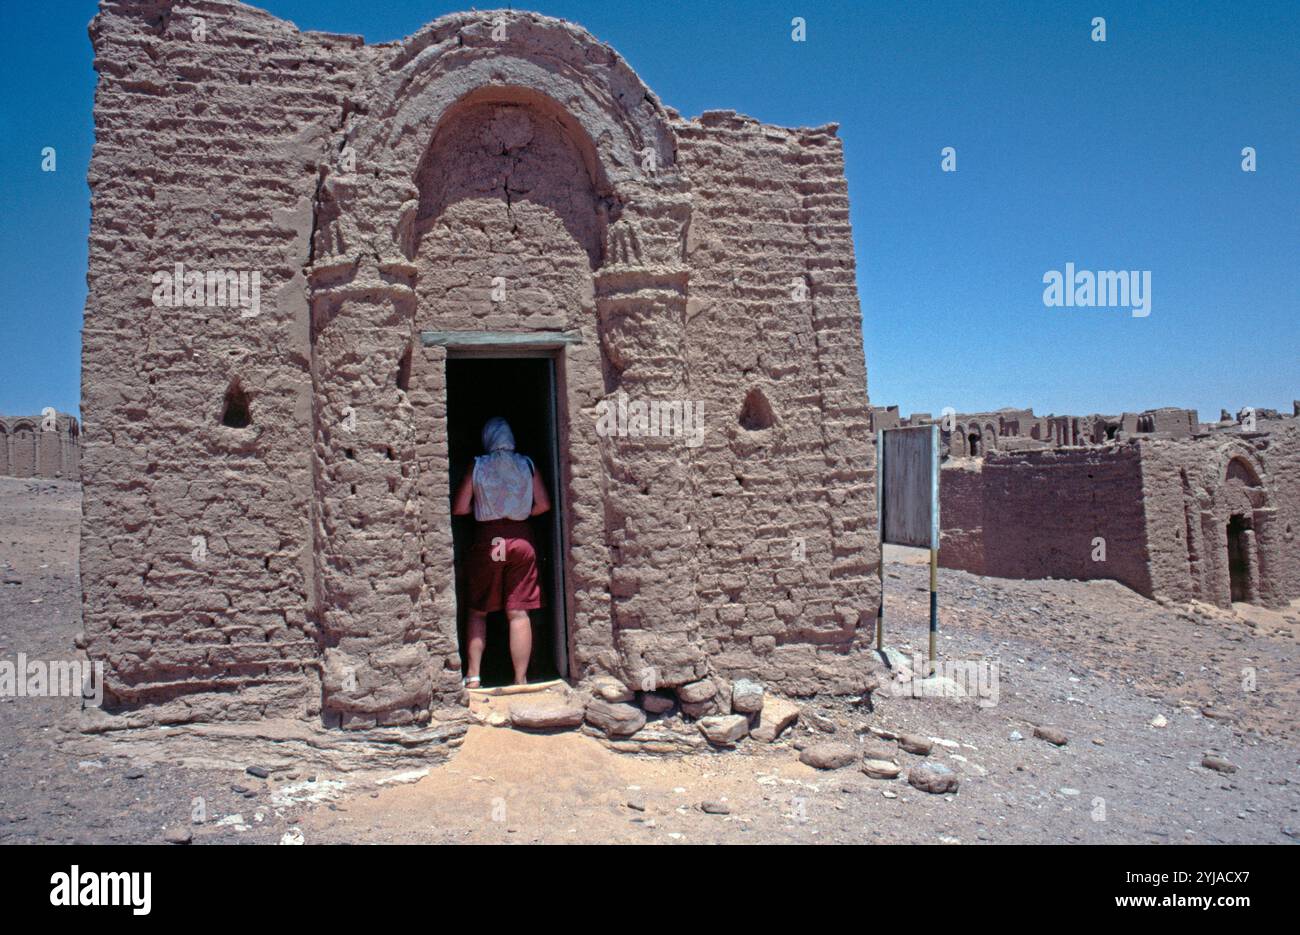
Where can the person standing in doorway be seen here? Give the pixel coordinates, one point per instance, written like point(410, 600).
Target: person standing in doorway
point(503, 488)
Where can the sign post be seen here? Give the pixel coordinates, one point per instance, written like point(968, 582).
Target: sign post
point(907, 502)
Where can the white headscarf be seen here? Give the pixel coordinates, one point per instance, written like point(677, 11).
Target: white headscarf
point(503, 480)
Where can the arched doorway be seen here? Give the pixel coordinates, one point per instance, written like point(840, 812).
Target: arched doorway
point(516, 194)
point(1241, 552)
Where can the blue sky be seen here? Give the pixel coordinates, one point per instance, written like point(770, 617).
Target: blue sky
point(1115, 155)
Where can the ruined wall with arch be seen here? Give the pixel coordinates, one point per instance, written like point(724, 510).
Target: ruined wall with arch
point(45, 445)
point(1208, 490)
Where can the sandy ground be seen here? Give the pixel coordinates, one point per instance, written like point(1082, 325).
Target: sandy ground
point(1089, 658)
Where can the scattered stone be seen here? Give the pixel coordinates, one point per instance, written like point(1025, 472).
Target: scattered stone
point(777, 715)
point(1160, 721)
point(497, 719)
point(657, 702)
point(881, 769)
point(179, 835)
point(746, 696)
point(724, 730)
point(616, 720)
point(135, 773)
point(1217, 763)
point(828, 755)
point(540, 715)
point(293, 837)
point(636, 804)
point(698, 709)
point(1053, 735)
point(715, 808)
point(934, 778)
point(819, 721)
point(261, 772)
point(915, 743)
point(879, 750)
point(608, 688)
point(1015, 736)
point(695, 692)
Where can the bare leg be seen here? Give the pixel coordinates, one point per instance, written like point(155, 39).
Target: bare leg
point(476, 634)
point(521, 643)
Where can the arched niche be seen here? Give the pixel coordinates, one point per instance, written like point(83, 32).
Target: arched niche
point(521, 150)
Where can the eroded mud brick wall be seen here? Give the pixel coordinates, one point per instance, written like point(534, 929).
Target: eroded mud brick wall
point(196, 535)
point(1194, 488)
point(1282, 461)
point(961, 516)
point(786, 492)
point(496, 171)
point(1043, 513)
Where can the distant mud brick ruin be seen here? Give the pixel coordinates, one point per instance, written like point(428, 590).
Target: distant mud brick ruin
point(302, 247)
point(46, 445)
point(1157, 501)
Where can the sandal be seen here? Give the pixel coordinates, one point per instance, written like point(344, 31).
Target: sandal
point(465, 682)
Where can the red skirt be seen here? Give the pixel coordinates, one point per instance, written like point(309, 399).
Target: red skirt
point(502, 567)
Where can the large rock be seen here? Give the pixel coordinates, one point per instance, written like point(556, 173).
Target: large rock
point(179, 835)
point(616, 720)
point(874, 749)
point(1053, 735)
point(881, 769)
point(657, 702)
point(746, 696)
point(696, 692)
point(610, 689)
point(934, 778)
point(777, 715)
point(543, 714)
point(915, 743)
point(724, 730)
point(697, 709)
point(829, 755)
point(1217, 763)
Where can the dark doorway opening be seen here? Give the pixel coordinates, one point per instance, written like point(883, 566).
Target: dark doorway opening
point(974, 440)
point(1239, 557)
point(522, 389)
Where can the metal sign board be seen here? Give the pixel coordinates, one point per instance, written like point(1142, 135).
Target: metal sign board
point(907, 475)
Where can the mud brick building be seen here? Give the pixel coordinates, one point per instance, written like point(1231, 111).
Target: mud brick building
point(492, 214)
point(1210, 513)
point(46, 445)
